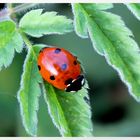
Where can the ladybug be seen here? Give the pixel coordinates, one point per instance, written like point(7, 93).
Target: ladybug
point(60, 68)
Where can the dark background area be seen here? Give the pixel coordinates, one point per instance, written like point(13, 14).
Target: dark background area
point(114, 111)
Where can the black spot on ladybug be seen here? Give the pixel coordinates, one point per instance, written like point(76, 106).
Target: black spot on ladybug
point(2, 6)
point(86, 100)
point(75, 62)
point(43, 49)
point(52, 77)
point(64, 66)
point(69, 81)
point(57, 50)
point(39, 67)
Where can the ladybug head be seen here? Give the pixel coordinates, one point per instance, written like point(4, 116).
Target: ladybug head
point(75, 84)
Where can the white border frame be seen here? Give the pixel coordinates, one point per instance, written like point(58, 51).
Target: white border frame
point(70, 1)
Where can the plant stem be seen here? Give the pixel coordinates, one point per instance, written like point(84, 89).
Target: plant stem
point(28, 43)
point(9, 5)
point(23, 7)
point(26, 40)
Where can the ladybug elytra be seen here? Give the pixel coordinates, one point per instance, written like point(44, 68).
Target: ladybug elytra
point(60, 68)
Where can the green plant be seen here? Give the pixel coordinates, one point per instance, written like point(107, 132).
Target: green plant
point(111, 39)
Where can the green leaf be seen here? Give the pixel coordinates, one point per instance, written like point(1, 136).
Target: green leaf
point(111, 38)
point(10, 41)
point(28, 95)
point(135, 9)
point(80, 19)
point(37, 24)
point(69, 111)
point(80, 22)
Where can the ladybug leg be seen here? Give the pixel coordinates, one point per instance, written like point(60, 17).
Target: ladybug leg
point(77, 60)
point(86, 100)
point(39, 68)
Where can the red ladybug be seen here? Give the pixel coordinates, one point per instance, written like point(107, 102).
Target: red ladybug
point(61, 69)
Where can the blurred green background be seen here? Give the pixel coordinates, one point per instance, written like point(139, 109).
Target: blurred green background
point(114, 111)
